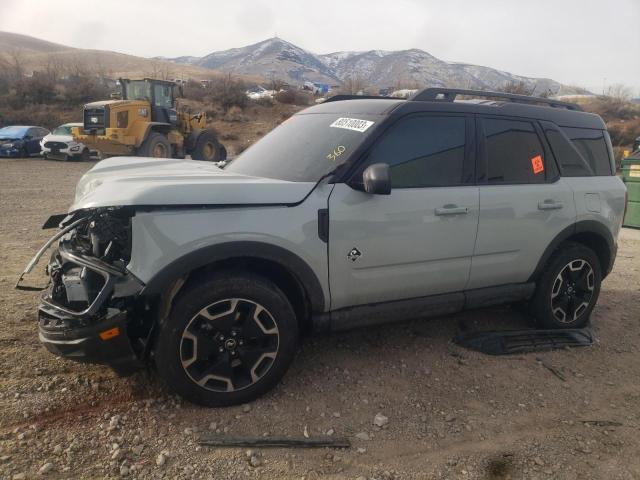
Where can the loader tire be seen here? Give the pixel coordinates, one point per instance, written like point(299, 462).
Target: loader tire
point(156, 145)
point(208, 148)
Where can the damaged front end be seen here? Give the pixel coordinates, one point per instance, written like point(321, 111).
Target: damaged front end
point(91, 309)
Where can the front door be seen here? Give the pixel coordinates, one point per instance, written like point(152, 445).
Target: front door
point(417, 241)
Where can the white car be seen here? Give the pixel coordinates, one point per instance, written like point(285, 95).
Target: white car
point(258, 93)
point(59, 145)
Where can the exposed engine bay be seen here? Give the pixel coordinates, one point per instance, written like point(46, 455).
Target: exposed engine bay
point(91, 296)
point(104, 237)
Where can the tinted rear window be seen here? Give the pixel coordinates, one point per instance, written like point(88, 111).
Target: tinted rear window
point(514, 152)
point(592, 147)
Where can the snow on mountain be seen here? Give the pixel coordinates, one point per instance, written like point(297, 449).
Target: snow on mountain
point(277, 58)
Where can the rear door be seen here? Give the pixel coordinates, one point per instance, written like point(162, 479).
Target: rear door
point(524, 203)
point(418, 240)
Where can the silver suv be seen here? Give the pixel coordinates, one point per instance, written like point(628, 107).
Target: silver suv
point(353, 212)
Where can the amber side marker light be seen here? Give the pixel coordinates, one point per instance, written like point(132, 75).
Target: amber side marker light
point(109, 334)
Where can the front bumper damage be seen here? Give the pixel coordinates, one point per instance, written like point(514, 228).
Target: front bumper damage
point(87, 312)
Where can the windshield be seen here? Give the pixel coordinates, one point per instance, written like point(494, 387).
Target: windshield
point(13, 132)
point(62, 131)
point(137, 90)
point(305, 147)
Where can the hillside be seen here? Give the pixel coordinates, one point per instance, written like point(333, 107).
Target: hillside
point(34, 54)
point(12, 41)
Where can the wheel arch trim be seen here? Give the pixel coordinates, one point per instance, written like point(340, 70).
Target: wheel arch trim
point(582, 227)
point(240, 250)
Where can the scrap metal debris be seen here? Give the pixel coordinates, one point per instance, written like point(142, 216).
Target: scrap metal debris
point(523, 341)
point(552, 369)
point(274, 442)
point(601, 423)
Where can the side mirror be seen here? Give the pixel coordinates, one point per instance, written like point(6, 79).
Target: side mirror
point(376, 179)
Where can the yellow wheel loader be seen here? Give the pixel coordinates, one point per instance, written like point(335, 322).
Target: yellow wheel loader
point(143, 120)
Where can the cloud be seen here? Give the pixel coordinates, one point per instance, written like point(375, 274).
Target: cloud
point(573, 41)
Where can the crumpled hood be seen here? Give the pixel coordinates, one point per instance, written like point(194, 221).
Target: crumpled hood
point(137, 181)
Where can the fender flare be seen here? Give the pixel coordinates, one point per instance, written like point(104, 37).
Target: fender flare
point(584, 226)
point(238, 250)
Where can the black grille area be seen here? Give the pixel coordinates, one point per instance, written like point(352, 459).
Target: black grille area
point(55, 145)
point(96, 118)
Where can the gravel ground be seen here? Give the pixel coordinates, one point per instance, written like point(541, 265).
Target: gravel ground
point(451, 413)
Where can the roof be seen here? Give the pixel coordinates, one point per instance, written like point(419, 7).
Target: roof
point(385, 105)
point(365, 106)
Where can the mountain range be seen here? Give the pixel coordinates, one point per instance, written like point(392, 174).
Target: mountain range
point(276, 58)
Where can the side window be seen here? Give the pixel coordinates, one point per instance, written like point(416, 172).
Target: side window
point(423, 151)
point(592, 146)
point(514, 152)
point(571, 162)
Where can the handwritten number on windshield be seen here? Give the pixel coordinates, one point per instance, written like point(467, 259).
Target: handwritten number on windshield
point(339, 150)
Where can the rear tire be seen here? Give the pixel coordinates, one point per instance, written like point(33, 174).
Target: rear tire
point(208, 148)
point(227, 340)
point(156, 145)
point(568, 288)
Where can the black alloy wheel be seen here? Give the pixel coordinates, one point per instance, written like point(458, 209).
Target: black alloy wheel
point(572, 290)
point(229, 345)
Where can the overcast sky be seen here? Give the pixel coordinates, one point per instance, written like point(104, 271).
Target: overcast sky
point(580, 42)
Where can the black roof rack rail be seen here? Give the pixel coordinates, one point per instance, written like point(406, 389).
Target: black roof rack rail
point(340, 97)
point(449, 95)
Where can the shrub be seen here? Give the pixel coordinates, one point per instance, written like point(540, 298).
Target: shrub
point(194, 91)
point(83, 88)
point(228, 92)
point(294, 97)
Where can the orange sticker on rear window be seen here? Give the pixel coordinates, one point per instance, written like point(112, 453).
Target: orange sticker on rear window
point(537, 165)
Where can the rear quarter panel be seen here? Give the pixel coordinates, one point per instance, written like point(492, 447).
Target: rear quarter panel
point(600, 199)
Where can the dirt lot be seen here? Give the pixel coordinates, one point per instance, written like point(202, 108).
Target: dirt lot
point(452, 413)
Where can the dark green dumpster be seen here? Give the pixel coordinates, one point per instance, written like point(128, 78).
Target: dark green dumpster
point(631, 178)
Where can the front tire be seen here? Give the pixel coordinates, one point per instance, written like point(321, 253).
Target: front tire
point(227, 340)
point(208, 148)
point(156, 145)
point(568, 288)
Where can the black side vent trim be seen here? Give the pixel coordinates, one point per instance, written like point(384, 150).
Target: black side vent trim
point(323, 224)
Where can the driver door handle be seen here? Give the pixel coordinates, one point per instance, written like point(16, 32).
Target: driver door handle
point(451, 210)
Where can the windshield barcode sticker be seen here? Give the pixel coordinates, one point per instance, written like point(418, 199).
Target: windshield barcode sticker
point(352, 124)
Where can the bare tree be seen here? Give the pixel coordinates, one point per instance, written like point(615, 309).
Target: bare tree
point(354, 85)
point(619, 92)
point(519, 88)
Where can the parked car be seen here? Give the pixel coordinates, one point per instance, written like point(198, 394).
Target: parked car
point(353, 212)
point(60, 145)
point(259, 93)
point(21, 141)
